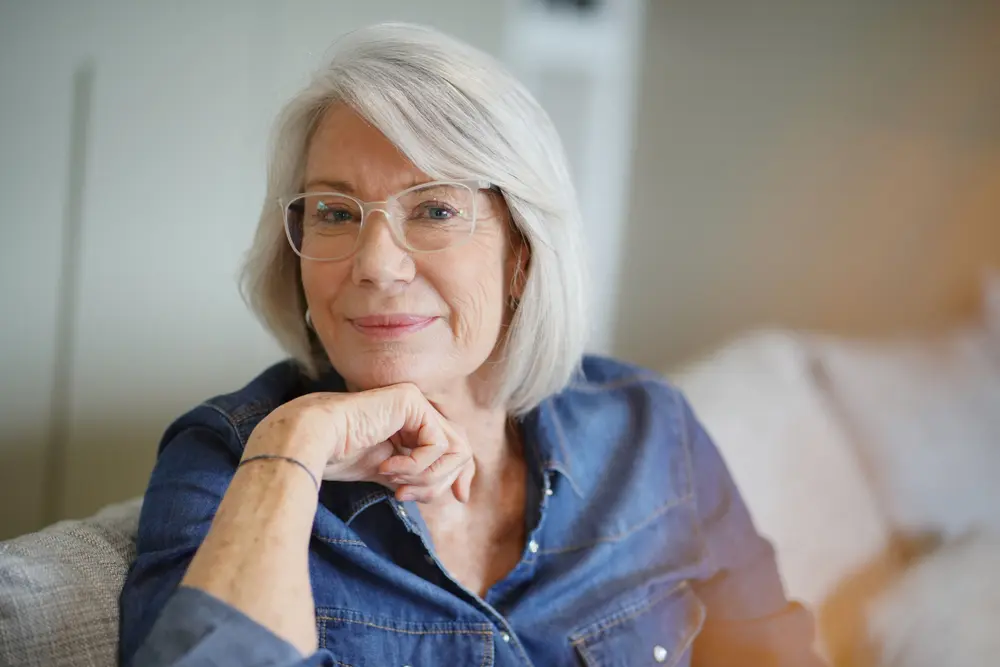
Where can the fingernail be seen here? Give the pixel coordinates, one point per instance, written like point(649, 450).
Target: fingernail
point(405, 497)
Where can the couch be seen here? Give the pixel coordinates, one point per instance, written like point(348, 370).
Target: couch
point(59, 590)
point(873, 467)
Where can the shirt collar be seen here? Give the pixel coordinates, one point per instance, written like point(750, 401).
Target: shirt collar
point(545, 439)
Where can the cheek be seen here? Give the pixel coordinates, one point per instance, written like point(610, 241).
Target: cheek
point(321, 282)
point(475, 295)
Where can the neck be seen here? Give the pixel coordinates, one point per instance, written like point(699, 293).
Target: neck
point(486, 429)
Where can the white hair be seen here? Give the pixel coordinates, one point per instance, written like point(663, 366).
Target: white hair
point(455, 112)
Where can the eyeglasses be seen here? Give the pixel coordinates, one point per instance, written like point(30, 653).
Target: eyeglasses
point(326, 226)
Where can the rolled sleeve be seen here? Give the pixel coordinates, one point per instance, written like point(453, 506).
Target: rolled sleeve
point(196, 629)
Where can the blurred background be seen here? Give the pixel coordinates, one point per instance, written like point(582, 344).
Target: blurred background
point(830, 167)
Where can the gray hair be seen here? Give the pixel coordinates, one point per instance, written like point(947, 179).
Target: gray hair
point(455, 112)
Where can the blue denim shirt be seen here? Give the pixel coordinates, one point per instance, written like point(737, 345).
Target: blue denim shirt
point(639, 552)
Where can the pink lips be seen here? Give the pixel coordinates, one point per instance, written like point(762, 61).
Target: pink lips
point(391, 326)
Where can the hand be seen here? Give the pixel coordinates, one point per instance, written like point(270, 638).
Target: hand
point(392, 436)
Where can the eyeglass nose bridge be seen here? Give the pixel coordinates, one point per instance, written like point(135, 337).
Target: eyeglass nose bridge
point(395, 226)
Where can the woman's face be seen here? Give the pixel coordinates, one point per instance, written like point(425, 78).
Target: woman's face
point(384, 314)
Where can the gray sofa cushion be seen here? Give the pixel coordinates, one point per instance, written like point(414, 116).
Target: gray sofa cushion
point(59, 590)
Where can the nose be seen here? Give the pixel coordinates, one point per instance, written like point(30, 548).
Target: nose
point(379, 260)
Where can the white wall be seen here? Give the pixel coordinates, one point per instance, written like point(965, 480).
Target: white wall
point(831, 165)
point(182, 101)
point(583, 67)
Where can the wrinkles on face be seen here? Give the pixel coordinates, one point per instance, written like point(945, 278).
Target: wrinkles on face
point(465, 286)
point(478, 309)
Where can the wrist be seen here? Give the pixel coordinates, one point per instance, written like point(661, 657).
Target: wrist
point(313, 460)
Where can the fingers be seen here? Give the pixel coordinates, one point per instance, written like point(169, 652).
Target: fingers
point(399, 414)
point(431, 470)
point(420, 458)
point(462, 486)
point(395, 436)
point(438, 476)
point(457, 482)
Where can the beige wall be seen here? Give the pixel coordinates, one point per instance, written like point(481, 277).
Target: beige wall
point(831, 165)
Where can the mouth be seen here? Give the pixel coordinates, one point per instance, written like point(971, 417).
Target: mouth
point(390, 326)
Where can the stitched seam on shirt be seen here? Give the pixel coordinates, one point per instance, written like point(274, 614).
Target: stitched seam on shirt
point(630, 612)
point(229, 420)
point(685, 437)
point(361, 505)
point(487, 649)
point(663, 509)
point(334, 540)
point(683, 648)
point(340, 619)
point(588, 658)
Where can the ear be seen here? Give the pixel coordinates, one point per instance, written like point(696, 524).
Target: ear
point(517, 263)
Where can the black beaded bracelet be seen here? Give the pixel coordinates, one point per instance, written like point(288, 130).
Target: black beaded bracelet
point(279, 457)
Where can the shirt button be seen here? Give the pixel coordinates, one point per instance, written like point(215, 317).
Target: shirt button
point(660, 654)
point(505, 637)
point(533, 547)
point(549, 492)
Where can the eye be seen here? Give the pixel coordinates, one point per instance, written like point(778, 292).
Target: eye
point(435, 211)
point(332, 213)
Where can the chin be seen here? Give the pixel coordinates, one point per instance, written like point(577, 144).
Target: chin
point(373, 369)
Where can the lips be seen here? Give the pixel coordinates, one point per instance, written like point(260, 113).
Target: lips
point(391, 326)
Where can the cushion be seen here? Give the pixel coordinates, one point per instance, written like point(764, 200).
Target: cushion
point(925, 410)
point(799, 475)
point(793, 463)
point(59, 590)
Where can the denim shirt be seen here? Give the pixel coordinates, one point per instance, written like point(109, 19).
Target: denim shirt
point(640, 550)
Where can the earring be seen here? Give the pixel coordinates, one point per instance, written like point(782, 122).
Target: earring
point(309, 320)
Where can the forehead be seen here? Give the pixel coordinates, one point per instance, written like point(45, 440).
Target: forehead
point(346, 148)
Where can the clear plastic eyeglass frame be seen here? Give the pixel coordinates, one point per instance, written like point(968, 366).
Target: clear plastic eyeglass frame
point(384, 206)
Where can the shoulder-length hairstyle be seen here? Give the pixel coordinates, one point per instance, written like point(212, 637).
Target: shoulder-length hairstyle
point(455, 113)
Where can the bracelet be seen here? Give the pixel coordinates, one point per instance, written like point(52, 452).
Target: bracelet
point(278, 457)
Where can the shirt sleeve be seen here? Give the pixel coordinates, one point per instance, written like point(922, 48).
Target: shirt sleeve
point(196, 629)
point(748, 620)
point(195, 464)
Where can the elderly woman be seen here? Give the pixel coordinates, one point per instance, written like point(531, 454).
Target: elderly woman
point(440, 477)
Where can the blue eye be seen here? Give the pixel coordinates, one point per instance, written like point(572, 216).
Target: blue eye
point(333, 214)
point(435, 212)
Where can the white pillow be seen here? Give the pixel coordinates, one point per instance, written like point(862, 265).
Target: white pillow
point(795, 467)
point(927, 413)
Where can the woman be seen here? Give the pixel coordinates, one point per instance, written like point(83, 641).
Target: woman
point(488, 495)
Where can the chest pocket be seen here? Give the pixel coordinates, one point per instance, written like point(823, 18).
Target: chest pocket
point(656, 631)
point(363, 640)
